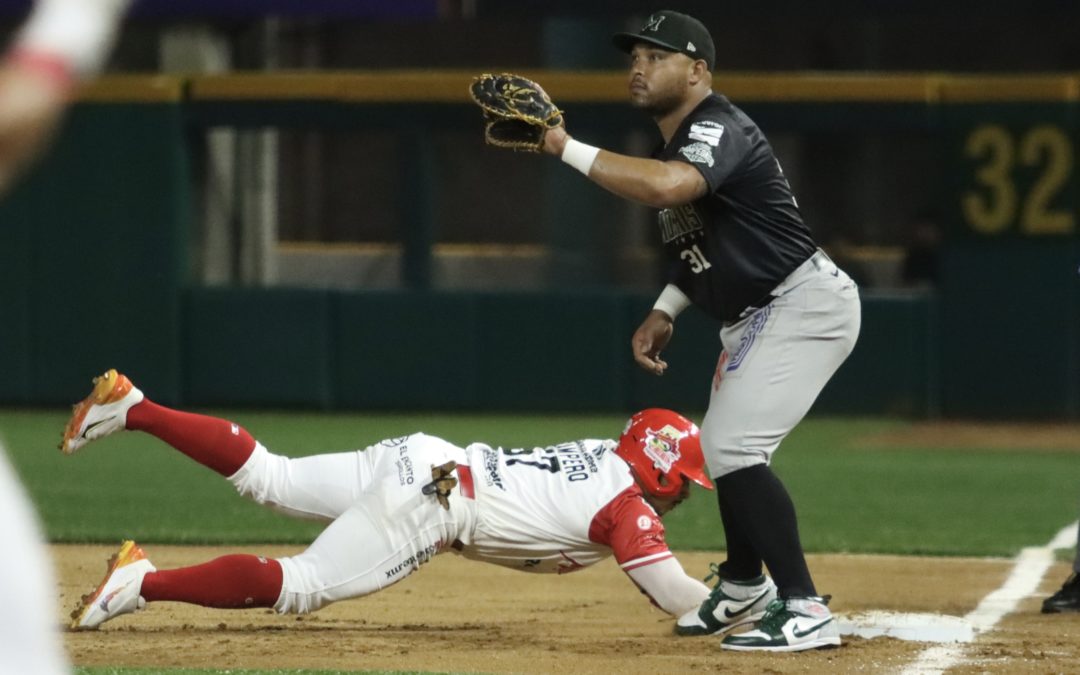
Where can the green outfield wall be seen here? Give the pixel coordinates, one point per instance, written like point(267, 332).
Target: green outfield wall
point(501, 351)
point(94, 249)
point(95, 263)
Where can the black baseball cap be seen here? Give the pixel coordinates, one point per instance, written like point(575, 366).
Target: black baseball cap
point(674, 32)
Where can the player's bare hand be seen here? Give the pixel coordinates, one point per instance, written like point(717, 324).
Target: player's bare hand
point(30, 110)
point(555, 140)
point(651, 337)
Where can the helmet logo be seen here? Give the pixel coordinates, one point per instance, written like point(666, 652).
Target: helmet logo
point(653, 23)
point(662, 446)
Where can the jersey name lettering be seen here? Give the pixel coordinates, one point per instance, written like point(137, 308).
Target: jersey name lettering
point(577, 464)
point(679, 222)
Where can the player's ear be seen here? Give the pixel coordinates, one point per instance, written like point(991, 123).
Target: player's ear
point(698, 71)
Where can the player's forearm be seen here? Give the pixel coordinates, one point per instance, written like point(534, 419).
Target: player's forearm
point(669, 587)
point(647, 181)
point(75, 35)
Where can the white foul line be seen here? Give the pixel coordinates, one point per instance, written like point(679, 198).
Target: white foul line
point(1028, 571)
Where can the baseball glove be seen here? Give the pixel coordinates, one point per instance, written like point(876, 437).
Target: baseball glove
point(517, 111)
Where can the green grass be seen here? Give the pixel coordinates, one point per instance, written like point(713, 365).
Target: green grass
point(849, 497)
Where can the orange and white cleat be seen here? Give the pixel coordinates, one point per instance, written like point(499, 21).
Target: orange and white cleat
point(102, 412)
point(118, 593)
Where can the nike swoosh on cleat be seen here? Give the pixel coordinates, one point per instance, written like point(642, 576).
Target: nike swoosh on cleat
point(803, 633)
point(96, 424)
point(730, 615)
point(104, 602)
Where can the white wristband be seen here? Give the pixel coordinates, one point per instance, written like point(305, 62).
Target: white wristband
point(579, 155)
point(672, 301)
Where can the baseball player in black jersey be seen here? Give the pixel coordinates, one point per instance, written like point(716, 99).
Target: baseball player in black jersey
point(738, 248)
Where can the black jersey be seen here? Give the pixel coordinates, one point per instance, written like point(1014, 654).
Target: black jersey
point(729, 248)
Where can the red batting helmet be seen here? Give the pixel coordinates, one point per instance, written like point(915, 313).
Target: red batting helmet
point(663, 448)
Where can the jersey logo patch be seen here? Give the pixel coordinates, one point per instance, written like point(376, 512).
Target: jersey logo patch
point(698, 153)
point(644, 522)
point(707, 132)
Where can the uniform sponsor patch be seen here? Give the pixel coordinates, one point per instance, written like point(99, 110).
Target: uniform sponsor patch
point(698, 153)
point(746, 342)
point(491, 469)
point(707, 132)
point(414, 561)
point(404, 466)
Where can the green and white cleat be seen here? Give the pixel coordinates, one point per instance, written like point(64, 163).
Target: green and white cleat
point(731, 604)
point(790, 625)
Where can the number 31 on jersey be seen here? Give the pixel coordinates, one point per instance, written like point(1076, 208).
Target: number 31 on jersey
point(698, 262)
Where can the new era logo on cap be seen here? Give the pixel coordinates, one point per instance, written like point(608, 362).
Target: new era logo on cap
point(671, 30)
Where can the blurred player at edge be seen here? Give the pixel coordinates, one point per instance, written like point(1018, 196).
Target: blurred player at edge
point(737, 248)
point(1067, 598)
point(61, 42)
point(29, 642)
point(402, 501)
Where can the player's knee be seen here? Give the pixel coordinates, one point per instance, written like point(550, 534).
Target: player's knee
point(724, 463)
point(261, 475)
point(301, 590)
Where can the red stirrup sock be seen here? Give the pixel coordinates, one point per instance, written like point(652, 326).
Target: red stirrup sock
point(216, 443)
point(229, 582)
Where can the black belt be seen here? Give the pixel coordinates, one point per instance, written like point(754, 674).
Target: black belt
point(762, 302)
point(818, 259)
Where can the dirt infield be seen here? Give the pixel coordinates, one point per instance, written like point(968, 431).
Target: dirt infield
point(456, 615)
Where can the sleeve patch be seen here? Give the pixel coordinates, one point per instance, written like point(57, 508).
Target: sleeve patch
point(707, 132)
point(698, 153)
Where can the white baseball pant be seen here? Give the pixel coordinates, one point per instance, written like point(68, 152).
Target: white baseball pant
point(383, 527)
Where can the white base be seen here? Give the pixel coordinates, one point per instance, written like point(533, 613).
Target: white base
point(914, 627)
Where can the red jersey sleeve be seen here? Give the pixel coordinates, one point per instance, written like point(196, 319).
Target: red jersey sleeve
point(632, 529)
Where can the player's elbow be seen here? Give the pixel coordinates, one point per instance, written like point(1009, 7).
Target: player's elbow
point(673, 188)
